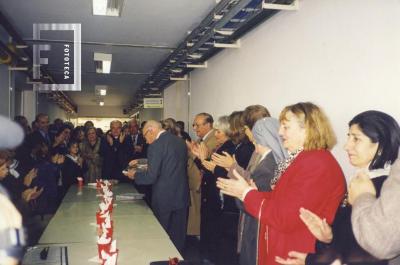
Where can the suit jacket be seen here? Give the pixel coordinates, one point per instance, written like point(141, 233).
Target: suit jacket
point(315, 181)
point(167, 160)
point(130, 145)
point(376, 221)
point(115, 159)
point(193, 170)
point(35, 138)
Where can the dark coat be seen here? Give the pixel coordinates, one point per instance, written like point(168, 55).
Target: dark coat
point(210, 196)
point(167, 172)
point(248, 227)
point(115, 159)
point(243, 153)
point(70, 171)
point(130, 142)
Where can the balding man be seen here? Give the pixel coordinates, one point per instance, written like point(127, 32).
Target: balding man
point(167, 172)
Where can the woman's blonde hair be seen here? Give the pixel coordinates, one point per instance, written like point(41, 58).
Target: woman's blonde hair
point(319, 132)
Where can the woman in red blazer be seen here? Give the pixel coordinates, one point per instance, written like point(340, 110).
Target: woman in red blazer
point(309, 178)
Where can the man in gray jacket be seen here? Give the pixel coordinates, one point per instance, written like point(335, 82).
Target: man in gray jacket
point(376, 221)
point(167, 172)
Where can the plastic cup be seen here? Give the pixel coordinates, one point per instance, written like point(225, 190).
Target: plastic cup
point(80, 182)
point(99, 218)
point(103, 247)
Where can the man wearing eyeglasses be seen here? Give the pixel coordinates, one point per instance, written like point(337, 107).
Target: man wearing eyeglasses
point(197, 224)
point(167, 172)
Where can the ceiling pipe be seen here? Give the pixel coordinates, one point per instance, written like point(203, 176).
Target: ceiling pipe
point(125, 45)
point(245, 14)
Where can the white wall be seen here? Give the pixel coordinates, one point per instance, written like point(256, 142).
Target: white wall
point(342, 55)
point(177, 94)
point(150, 114)
point(7, 88)
point(50, 108)
point(106, 112)
point(27, 104)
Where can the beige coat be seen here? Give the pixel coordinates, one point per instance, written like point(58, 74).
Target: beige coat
point(376, 222)
point(194, 175)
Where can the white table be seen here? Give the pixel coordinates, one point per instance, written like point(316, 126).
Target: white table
point(140, 238)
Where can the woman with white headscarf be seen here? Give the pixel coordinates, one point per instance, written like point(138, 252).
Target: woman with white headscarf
point(269, 147)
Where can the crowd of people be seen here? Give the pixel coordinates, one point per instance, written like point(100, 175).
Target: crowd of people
point(253, 188)
point(52, 157)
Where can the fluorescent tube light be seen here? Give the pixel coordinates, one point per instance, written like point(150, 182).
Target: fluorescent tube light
point(111, 8)
point(102, 62)
point(106, 67)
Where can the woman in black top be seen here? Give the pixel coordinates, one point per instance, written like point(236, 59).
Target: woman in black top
point(72, 169)
point(214, 203)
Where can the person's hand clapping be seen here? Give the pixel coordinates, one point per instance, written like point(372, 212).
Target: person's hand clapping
point(58, 140)
point(110, 139)
point(225, 160)
point(209, 165)
point(32, 174)
point(133, 163)
point(360, 184)
point(317, 226)
point(121, 137)
point(31, 194)
point(203, 151)
point(234, 187)
point(195, 149)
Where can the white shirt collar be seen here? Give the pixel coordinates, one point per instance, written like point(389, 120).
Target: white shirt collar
point(75, 159)
point(158, 135)
point(374, 173)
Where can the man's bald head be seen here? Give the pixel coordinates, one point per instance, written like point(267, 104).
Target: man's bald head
point(151, 130)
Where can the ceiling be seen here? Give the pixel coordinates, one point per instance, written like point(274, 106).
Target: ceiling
point(145, 34)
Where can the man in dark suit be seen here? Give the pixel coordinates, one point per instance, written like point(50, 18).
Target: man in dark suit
point(41, 135)
point(167, 171)
point(135, 143)
point(113, 149)
point(135, 140)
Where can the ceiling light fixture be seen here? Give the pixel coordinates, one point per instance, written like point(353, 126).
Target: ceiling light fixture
point(102, 62)
point(101, 103)
point(111, 8)
point(103, 92)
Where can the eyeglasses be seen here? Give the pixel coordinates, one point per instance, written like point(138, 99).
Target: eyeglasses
point(196, 125)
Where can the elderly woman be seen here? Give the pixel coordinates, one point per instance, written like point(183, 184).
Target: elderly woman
point(212, 201)
point(90, 150)
point(271, 151)
point(372, 146)
point(310, 177)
